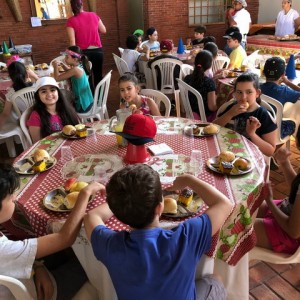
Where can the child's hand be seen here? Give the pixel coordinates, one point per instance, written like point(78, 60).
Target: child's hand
point(268, 192)
point(252, 125)
point(55, 64)
point(237, 109)
point(281, 155)
point(94, 187)
point(179, 183)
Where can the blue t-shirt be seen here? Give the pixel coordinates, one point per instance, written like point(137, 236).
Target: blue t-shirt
point(154, 263)
point(282, 93)
point(261, 113)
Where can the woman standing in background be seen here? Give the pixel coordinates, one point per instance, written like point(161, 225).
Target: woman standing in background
point(84, 30)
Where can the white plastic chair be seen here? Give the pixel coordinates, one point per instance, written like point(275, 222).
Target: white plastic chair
point(58, 58)
point(186, 69)
point(220, 62)
point(23, 119)
point(279, 118)
point(23, 99)
point(251, 59)
point(2, 64)
point(274, 257)
point(99, 108)
point(121, 64)
point(158, 97)
point(121, 50)
point(185, 89)
point(166, 68)
point(8, 133)
point(17, 288)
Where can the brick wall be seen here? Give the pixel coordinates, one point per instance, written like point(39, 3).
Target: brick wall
point(170, 17)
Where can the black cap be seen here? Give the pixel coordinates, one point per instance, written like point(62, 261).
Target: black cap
point(274, 68)
point(234, 35)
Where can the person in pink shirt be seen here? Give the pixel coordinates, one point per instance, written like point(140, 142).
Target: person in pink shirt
point(83, 30)
point(51, 111)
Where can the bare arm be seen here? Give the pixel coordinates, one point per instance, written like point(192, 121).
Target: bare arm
point(71, 36)
point(77, 72)
point(290, 84)
point(219, 206)
point(297, 23)
point(35, 133)
point(5, 113)
point(290, 224)
point(282, 157)
point(95, 217)
point(52, 243)
point(230, 18)
point(229, 115)
point(266, 143)
point(211, 101)
point(153, 107)
point(101, 27)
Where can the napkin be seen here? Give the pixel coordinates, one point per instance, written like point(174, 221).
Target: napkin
point(161, 149)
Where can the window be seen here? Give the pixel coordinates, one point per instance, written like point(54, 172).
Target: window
point(207, 11)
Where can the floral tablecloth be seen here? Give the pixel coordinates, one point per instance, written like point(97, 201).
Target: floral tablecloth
point(272, 47)
point(235, 238)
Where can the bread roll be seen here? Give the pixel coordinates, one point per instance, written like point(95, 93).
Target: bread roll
point(69, 130)
point(210, 129)
point(40, 154)
point(132, 107)
point(70, 200)
point(246, 105)
point(242, 164)
point(170, 205)
point(226, 156)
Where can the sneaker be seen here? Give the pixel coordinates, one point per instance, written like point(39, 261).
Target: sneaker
point(274, 165)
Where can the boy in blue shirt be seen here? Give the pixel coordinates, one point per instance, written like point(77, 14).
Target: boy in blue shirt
point(150, 262)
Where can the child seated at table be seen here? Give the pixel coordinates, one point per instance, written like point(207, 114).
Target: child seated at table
point(77, 70)
point(139, 34)
point(277, 225)
point(204, 85)
point(129, 92)
point(155, 260)
point(131, 55)
point(152, 43)
point(51, 111)
point(238, 53)
point(274, 70)
point(250, 119)
point(199, 33)
point(17, 258)
point(21, 77)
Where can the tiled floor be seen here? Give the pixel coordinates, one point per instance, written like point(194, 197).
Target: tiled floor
point(267, 281)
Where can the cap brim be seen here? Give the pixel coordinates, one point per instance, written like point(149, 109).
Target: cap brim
point(227, 37)
point(135, 140)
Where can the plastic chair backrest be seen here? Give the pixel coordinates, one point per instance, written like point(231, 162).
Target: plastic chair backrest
point(59, 58)
point(278, 117)
point(186, 69)
point(185, 89)
point(166, 68)
point(121, 50)
point(23, 99)
point(99, 108)
point(121, 64)
point(274, 257)
point(17, 288)
point(158, 97)
point(220, 62)
point(23, 119)
point(251, 59)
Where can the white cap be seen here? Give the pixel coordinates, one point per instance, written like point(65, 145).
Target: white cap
point(45, 81)
point(243, 2)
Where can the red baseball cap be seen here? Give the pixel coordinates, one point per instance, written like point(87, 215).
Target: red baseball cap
point(139, 129)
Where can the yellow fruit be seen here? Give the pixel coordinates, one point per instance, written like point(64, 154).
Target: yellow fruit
point(78, 186)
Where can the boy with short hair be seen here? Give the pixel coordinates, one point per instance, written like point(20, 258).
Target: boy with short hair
point(274, 70)
point(199, 33)
point(238, 53)
point(131, 55)
point(17, 258)
point(150, 262)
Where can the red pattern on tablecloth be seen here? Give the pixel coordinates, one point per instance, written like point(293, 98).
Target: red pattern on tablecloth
point(243, 190)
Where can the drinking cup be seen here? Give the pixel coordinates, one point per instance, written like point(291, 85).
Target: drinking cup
point(66, 154)
point(196, 162)
point(100, 173)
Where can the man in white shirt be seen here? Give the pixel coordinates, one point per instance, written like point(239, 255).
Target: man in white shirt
point(238, 16)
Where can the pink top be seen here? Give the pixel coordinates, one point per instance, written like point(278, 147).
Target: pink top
point(35, 120)
point(144, 107)
point(85, 26)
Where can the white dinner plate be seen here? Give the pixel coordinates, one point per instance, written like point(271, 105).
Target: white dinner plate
point(24, 166)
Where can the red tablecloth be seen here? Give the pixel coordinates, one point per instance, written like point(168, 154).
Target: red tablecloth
point(236, 236)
